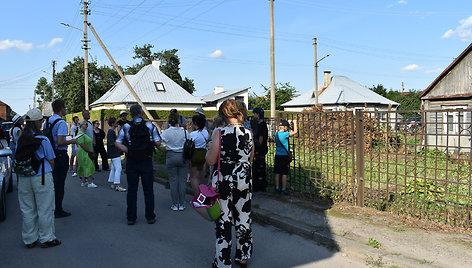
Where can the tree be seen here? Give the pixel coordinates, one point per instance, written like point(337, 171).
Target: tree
point(69, 83)
point(283, 93)
point(170, 64)
point(43, 91)
point(379, 89)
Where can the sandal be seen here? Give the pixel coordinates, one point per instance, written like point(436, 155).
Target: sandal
point(51, 243)
point(32, 245)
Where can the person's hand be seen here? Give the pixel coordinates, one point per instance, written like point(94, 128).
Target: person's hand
point(73, 141)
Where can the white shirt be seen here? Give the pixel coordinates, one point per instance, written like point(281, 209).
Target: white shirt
point(174, 137)
point(200, 137)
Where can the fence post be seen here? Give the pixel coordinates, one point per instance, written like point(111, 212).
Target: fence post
point(360, 156)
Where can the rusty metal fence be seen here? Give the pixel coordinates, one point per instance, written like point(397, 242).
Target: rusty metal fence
point(416, 163)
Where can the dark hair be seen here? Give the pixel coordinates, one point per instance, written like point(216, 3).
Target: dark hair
point(259, 111)
point(30, 129)
point(135, 110)
point(73, 118)
point(172, 111)
point(94, 122)
point(57, 105)
point(199, 121)
point(84, 111)
point(111, 121)
point(173, 119)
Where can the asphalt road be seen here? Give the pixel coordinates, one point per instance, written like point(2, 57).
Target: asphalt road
point(96, 235)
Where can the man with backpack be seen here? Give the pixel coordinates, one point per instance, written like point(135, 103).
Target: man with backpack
point(140, 138)
point(56, 131)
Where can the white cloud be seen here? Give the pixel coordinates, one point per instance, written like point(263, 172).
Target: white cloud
point(216, 54)
point(402, 2)
point(434, 71)
point(18, 44)
point(463, 31)
point(51, 43)
point(411, 67)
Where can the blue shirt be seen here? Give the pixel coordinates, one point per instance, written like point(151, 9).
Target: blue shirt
point(124, 132)
point(283, 136)
point(60, 128)
point(44, 151)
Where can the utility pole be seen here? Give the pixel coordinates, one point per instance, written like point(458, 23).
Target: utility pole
point(121, 74)
point(34, 99)
point(272, 61)
point(53, 74)
point(316, 71)
point(86, 12)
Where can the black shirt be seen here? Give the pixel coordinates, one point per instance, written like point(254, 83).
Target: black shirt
point(112, 151)
point(261, 131)
point(122, 123)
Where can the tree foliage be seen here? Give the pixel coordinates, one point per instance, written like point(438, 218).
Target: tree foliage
point(69, 84)
point(169, 64)
point(408, 100)
point(283, 93)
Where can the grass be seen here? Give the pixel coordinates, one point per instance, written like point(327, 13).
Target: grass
point(424, 261)
point(374, 243)
point(371, 262)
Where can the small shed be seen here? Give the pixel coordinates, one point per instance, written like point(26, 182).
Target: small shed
point(219, 95)
point(449, 101)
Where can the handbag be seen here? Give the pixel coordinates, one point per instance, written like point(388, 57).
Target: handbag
point(206, 203)
point(289, 153)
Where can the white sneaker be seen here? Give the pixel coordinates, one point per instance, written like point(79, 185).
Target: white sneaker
point(84, 184)
point(92, 185)
point(174, 208)
point(181, 207)
point(74, 174)
point(113, 187)
point(120, 189)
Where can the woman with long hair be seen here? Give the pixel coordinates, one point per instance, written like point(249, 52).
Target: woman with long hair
point(85, 155)
point(36, 193)
point(200, 136)
point(233, 145)
point(99, 147)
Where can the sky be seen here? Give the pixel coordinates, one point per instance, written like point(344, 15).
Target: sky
point(227, 42)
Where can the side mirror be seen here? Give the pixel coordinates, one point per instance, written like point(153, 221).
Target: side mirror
point(5, 152)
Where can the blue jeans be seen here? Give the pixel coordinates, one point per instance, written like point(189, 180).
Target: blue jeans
point(134, 170)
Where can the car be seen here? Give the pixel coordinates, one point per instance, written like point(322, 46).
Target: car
point(5, 131)
point(413, 124)
point(6, 179)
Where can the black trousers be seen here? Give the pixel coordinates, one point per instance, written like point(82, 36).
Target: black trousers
point(100, 149)
point(59, 174)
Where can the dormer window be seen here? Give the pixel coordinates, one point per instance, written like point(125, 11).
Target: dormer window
point(159, 86)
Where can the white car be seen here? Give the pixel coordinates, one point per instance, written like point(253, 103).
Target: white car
point(6, 180)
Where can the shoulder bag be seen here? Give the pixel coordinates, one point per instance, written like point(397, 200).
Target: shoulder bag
point(289, 153)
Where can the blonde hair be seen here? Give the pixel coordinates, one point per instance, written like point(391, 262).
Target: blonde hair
point(229, 109)
point(82, 122)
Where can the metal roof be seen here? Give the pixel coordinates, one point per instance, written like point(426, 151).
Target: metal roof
point(341, 90)
point(214, 97)
point(143, 84)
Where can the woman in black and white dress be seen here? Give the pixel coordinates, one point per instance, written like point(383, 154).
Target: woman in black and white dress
point(234, 182)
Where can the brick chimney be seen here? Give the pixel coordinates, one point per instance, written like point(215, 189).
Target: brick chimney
point(156, 63)
point(327, 79)
point(219, 89)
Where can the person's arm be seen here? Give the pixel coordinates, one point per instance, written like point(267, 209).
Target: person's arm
point(61, 141)
point(252, 154)
point(62, 134)
point(48, 152)
point(155, 136)
point(51, 163)
point(295, 129)
point(87, 149)
point(119, 141)
point(214, 149)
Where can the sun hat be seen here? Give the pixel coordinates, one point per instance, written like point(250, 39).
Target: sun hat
point(284, 123)
point(123, 112)
point(16, 118)
point(200, 110)
point(33, 115)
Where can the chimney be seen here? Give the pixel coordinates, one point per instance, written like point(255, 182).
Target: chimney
point(327, 79)
point(156, 63)
point(219, 89)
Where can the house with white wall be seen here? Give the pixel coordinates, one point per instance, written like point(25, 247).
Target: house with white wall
point(219, 95)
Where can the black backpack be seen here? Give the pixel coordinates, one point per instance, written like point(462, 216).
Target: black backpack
point(47, 131)
point(26, 163)
point(140, 146)
point(189, 147)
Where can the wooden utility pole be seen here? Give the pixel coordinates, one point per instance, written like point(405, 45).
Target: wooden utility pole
point(85, 47)
point(53, 74)
point(121, 74)
point(316, 71)
point(272, 61)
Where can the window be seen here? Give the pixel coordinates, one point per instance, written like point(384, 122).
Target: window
point(159, 86)
point(455, 119)
point(239, 98)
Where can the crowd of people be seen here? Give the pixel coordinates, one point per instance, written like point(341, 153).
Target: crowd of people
point(229, 155)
